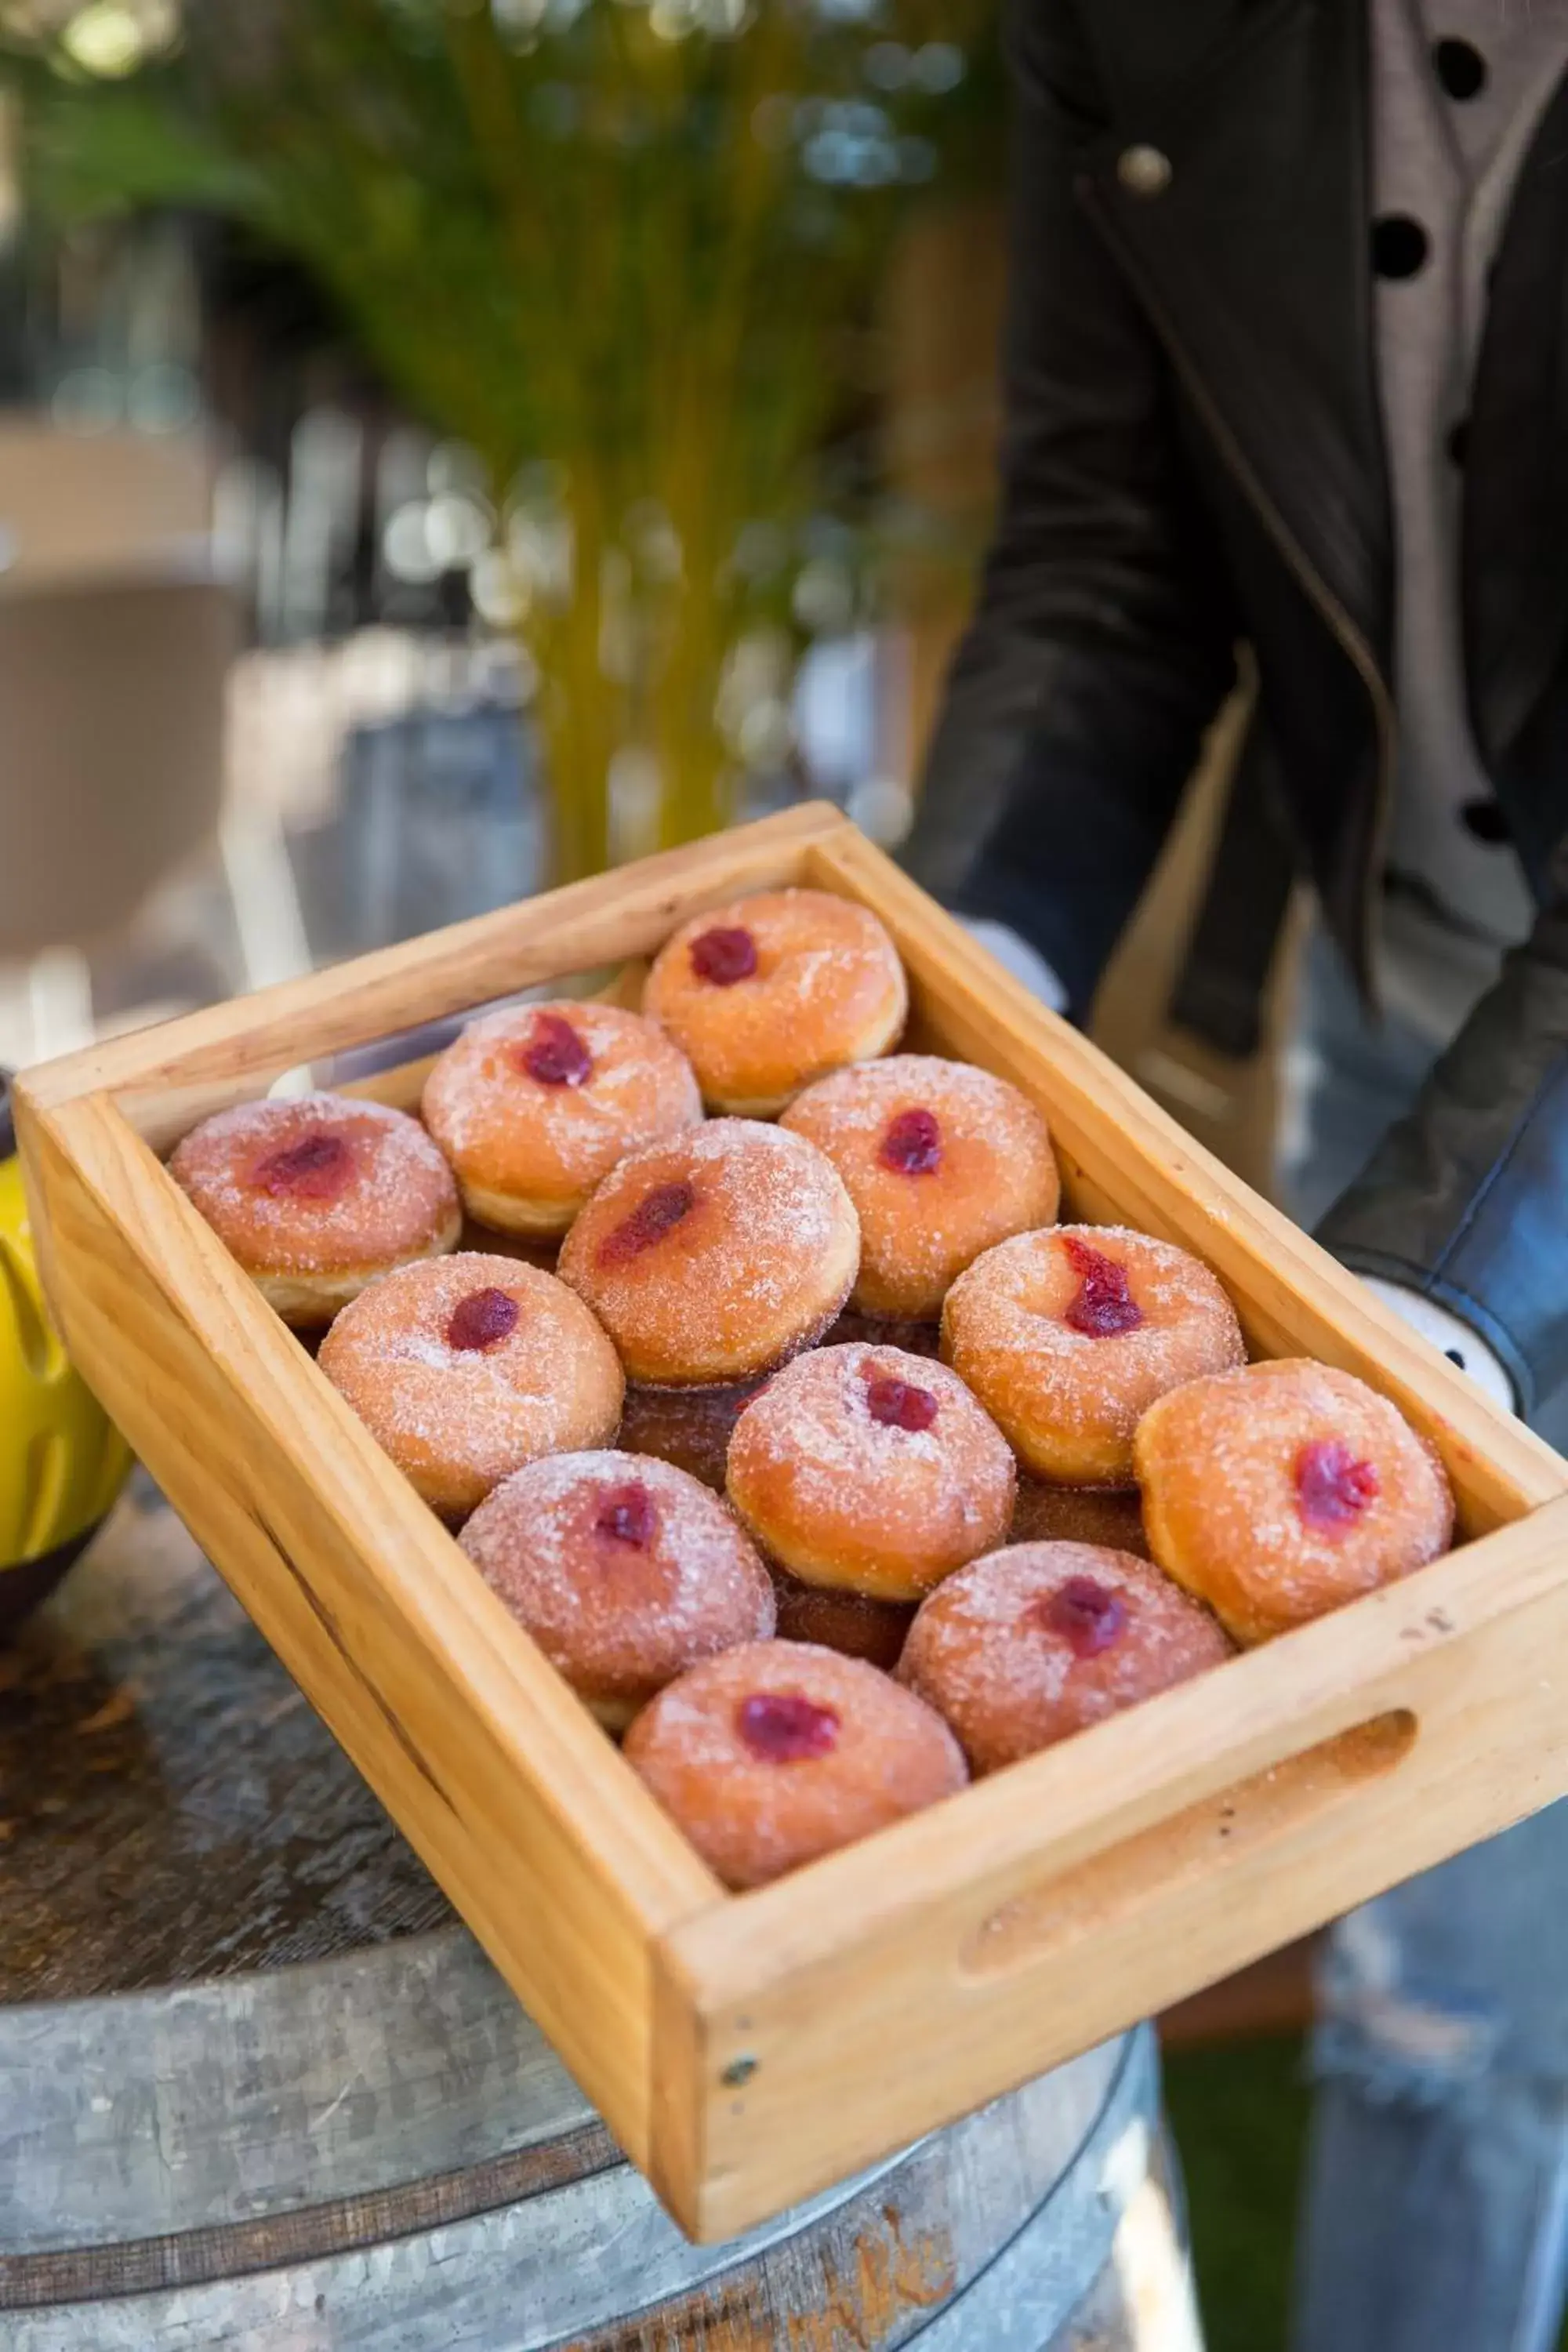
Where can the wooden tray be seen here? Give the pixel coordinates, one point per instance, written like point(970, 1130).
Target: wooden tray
point(748, 2049)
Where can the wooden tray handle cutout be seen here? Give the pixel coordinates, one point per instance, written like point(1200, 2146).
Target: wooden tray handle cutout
point(1304, 1790)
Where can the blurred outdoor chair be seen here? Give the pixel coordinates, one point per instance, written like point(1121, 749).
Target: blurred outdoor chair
point(76, 507)
point(115, 642)
point(111, 732)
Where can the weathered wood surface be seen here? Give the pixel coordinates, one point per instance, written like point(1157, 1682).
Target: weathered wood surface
point(171, 1809)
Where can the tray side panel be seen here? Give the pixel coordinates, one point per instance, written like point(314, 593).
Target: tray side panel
point(888, 1990)
point(520, 1806)
point(1125, 1161)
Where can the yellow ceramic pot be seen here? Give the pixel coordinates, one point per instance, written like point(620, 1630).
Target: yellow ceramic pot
point(62, 1462)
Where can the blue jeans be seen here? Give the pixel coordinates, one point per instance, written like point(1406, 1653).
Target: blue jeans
point(1436, 2205)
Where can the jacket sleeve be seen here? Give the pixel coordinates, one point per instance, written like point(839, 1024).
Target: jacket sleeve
point(1102, 644)
point(1464, 1199)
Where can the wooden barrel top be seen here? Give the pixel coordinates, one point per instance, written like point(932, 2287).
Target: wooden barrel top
point(171, 1810)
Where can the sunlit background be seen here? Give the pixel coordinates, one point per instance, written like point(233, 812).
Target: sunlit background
point(450, 447)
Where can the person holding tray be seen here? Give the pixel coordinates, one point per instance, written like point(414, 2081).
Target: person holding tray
point(1286, 365)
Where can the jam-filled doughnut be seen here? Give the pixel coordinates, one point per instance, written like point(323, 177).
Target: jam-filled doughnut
point(869, 1470)
point(625, 1571)
point(468, 1367)
point(942, 1160)
point(771, 1754)
point(1068, 1337)
point(316, 1195)
point(1030, 1644)
point(533, 1107)
point(766, 994)
point(1280, 1491)
point(709, 1259)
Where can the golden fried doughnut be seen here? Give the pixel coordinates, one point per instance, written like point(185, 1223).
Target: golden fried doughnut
point(1030, 1644)
point(772, 991)
point(1282, 1490)
point(869, 1470)
point(317, 1194)
point(774, 1754)
point(1068, 1337)
point(942, 1160)
point(533, 1107)
point(624, 1570)
point(466, 1369)
point(709, 1259)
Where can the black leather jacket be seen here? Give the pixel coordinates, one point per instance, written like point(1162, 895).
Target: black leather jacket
point(1193, 457)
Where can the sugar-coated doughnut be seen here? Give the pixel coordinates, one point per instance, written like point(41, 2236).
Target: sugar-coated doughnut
point(709, 1259)
point(1111, 1516)
point(869, 1470)
point(942, 1160)
point(1068, 1337)
point(1030, 1644)
point(1282, 1490)
point(625, 1571)
point(774, 1754)
point(533, 1107)
point(849, 1621)
point(766, 994)
point(317, 1194)
point(464, 1368)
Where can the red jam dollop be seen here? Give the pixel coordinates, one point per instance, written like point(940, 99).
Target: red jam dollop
point(1333, 1486)
point(554, 1054)
point(724, 955)
point(657, 1214)
point(318, 1168)
point(912, 1145)
point(1102, 1306)
point(627, 1515)
point(1086, 1616)
point(900, 1404)
point(784, 1729)
point(482, 1318)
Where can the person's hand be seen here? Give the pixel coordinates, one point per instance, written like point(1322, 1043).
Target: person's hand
point(1014, 955)
point(1459, 1342)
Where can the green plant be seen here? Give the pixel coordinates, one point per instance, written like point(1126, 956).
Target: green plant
point(624, 248)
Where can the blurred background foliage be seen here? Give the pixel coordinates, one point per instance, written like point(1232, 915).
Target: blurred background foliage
point(629, 252)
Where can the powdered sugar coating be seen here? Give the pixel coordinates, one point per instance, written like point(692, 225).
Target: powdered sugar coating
point(1217, 1464)
point(1069, 1401)
point(758, 1267)
point(457, 1421)
point(399, 1203)
point(985, 1653)
point(843, 1499)
point(529, 1152)
point(828, 988)
point(753, 1818)
point(995, 1174)
point(619, 1619)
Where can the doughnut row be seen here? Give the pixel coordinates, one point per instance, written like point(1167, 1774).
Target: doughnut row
point(826, 1467)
